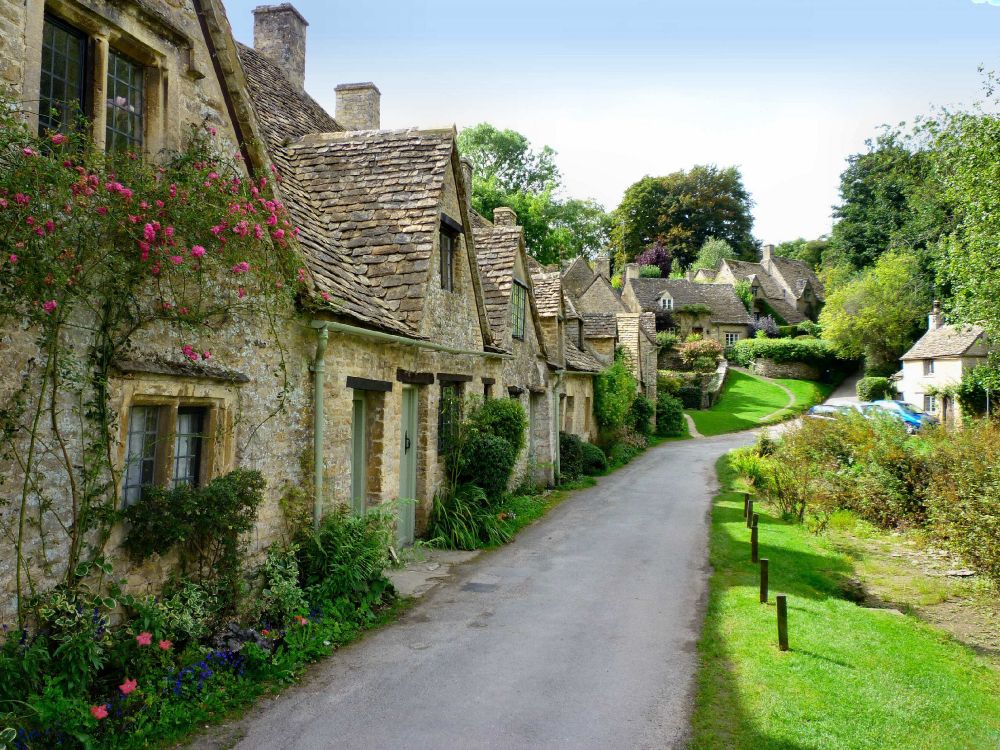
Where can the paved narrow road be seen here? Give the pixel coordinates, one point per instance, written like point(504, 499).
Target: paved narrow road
point(580, 634)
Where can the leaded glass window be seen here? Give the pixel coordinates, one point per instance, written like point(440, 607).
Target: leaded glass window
point(188, 446)
point(124, 103)
point(63, 75)
point(140, 463)
point(519, 297)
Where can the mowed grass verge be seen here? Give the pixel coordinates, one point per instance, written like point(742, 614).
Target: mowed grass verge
point(855, 678)
point(745, 401)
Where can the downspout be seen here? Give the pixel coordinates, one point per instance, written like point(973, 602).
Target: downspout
point(319, 424)
point(557, 453)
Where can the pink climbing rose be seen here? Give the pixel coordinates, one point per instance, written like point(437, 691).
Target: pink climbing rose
point(99, 712)
point(165, 645)
point(58, 139)
point(197, 251)
point(50, 306)
point(128, 686)
point(144, 638)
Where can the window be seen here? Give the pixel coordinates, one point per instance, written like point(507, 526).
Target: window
point(568, 407)
point(666, 303)
point(519, 297)
point(359, 454)
point(449, 415)
point(930, 404)
point(188, 442)
point(124, 103)
point(928, 367)
point(487, 391)
point(140, 461)
point(732, 338)
point(579, 334)
point(448, 242)
point(64, 72)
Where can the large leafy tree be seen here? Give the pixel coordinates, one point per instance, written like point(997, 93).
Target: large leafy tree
point(877, 315)
point(811, 252)
point(508, 172)
point(683, 210)
point(713, 252)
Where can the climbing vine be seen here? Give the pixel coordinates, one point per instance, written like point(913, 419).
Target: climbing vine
point(95, 248)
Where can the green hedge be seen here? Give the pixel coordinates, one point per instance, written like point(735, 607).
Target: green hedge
point(810, 351)
point(570, 455)
point(669, 416)
point(873, 389)
point(594, 460)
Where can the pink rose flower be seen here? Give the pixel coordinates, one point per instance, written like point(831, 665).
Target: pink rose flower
point(165, 645)
point(49, 306)
point(12, 258)
point(29, 152)
point(206, 355)
point(241, 267)
point(189, 352)
point(149, 232)
point(197, 251)
point(128, 686)
point(176, 260)
point(144, 638)
point(99, 712)
point(58, 139)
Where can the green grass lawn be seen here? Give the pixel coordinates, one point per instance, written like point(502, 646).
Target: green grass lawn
point(744, 402)
point(855, 678)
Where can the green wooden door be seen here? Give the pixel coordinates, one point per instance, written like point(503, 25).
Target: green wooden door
point(407, 467)
point(359, 469)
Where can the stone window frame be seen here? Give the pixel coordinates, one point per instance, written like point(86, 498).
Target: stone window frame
point(928, 367)
point(215, 449)
point(518, 309)
point(732, 338)
point(102, 37)
point(666, 302)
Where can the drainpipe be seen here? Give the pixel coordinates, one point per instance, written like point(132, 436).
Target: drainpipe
point(319, 424)
point(557, 453)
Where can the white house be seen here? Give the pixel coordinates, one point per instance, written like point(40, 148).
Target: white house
point(937, 361)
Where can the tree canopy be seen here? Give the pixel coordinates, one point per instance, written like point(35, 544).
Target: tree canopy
point(508, 172)
point(713, 252)
point(682, 211)
point(811, 252)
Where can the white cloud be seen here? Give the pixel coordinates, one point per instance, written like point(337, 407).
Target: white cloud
point(987, 2)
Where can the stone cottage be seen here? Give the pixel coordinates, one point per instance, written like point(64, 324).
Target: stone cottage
point(937, 362)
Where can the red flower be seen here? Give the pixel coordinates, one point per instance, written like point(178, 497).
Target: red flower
point(144, 638)
point(128, 686)
point(165, 645)
point(59, 139)
point(99, 712)
point(301, 620)
point(50, 306)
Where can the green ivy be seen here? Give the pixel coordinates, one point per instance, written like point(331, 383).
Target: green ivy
point(614, 391)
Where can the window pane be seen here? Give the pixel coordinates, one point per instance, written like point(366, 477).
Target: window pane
point(188, 446)
point(140, 461)
point(519, 295)
point(447, 261)
point(124, 103)
point(61, 94)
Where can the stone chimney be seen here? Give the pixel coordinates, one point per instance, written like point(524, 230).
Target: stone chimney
point(279, 33)
point(467, 170)
point(765, 253)
point(602, 266)
point(935, 319)
point(504, 217)
point(631, 272)
point(359, 106)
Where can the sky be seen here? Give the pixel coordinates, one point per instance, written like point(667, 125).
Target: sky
point(785, 90)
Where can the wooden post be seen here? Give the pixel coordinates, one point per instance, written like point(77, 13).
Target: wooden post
point(763, 581)
point(746, 503)
point(782, 621)
point(753, 540)
point(749, 512)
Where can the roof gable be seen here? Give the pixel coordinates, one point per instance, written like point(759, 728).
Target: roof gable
point(946, 341)
point(726, 308)
point(578, 276)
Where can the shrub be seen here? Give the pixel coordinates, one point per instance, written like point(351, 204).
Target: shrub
point(487, 460)
point(281, 598)
point(668, 381)
point(873, 389)
point(642, 414)
point(614, 391)
point(628, 446)
point(617, 282)
point(346, 558)
point(808, 328)
point(667, 340)
point(570, 455)
point(656, 255)
point(788, 332)
point(764, 324)
point(504, 417)
point(971, 392)
point(690, 395)
point(594, 460)
point(650, 272)
point(701, 355)
point(465, 520)
point(815, 352)
point(669, 415)
point(744, 291)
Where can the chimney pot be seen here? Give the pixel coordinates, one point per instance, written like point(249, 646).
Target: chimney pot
point(631, 272)
point(602, 265)
point(279, 33)
point(359, 106)
point(935, 319)
point(504, 217)
point(766, 252)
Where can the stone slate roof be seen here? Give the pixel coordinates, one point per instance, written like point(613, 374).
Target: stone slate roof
point(600, 325)
point(581, 361)
point(647, 323)
point(773, 292)
point(727, 309)
point(369, 201)
point(496, 251)
point(547, 287)
point(283, 111)
point(946, 341)
point(569, 308)
point(578, 276)
point(795, 274)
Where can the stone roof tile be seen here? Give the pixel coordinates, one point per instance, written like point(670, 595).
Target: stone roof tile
point(579, 360)
point(496, 252)
point(946, 341)
point(726, 307)
point(600, 325)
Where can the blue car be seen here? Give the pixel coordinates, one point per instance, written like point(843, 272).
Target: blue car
point(914, 418)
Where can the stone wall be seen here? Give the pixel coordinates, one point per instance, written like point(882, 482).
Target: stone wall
point(798, 370)
point(578, 414)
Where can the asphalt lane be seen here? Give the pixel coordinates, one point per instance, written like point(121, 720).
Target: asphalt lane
point(580, 634)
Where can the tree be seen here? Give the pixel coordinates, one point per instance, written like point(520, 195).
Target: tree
point(877, 315)
point(507, 172)
point(683, 210)
point(656, 255)
point(810, 252)
point(714, 252)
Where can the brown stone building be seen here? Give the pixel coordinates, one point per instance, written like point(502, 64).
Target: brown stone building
point(401, 313)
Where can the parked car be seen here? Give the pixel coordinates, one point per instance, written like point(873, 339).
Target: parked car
point(829, 411)
point(913, 418)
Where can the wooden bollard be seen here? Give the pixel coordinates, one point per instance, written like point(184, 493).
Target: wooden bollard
point(763, 581)
point(782, 621)
point(753, 540)
point(749, 513)
point(746, 503)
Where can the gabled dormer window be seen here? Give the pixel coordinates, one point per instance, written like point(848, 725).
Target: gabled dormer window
point(518, 309)
point(449, 234)
point(666, 303)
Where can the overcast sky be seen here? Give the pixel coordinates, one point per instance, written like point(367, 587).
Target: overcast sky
point(783, 89)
